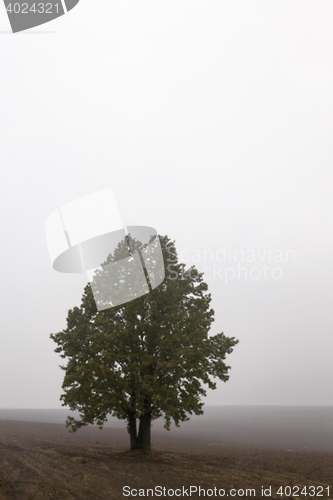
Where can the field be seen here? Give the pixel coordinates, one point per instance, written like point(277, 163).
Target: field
point(44, 461)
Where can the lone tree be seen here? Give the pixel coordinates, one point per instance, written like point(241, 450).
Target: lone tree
point(144, 359)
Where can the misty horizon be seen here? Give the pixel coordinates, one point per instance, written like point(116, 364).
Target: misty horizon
point(278, 427)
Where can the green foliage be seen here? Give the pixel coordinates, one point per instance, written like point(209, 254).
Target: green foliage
point(151, 356)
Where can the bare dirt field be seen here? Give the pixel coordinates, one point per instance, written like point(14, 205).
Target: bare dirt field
point(44, 461)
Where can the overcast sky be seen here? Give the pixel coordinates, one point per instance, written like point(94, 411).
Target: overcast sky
point(212, 122)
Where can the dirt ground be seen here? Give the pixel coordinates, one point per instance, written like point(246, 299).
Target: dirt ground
point(43, 461)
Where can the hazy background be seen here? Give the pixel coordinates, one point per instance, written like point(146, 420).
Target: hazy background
point(212, 122)
point(286, 427)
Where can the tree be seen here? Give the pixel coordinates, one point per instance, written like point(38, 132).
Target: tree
point(144, 359)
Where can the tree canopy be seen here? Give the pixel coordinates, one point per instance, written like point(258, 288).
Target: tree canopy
point(148, 358)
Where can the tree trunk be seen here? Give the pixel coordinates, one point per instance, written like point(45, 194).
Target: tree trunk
point(142, 441)
point(145, 424)
point(132, 432)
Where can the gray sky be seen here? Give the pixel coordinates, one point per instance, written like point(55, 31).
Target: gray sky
point(212, 122)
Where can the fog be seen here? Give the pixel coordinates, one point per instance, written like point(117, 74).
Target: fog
point(276, 427)
point(212, 123)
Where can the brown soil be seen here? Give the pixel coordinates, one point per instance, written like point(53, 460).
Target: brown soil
point(44, 461)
